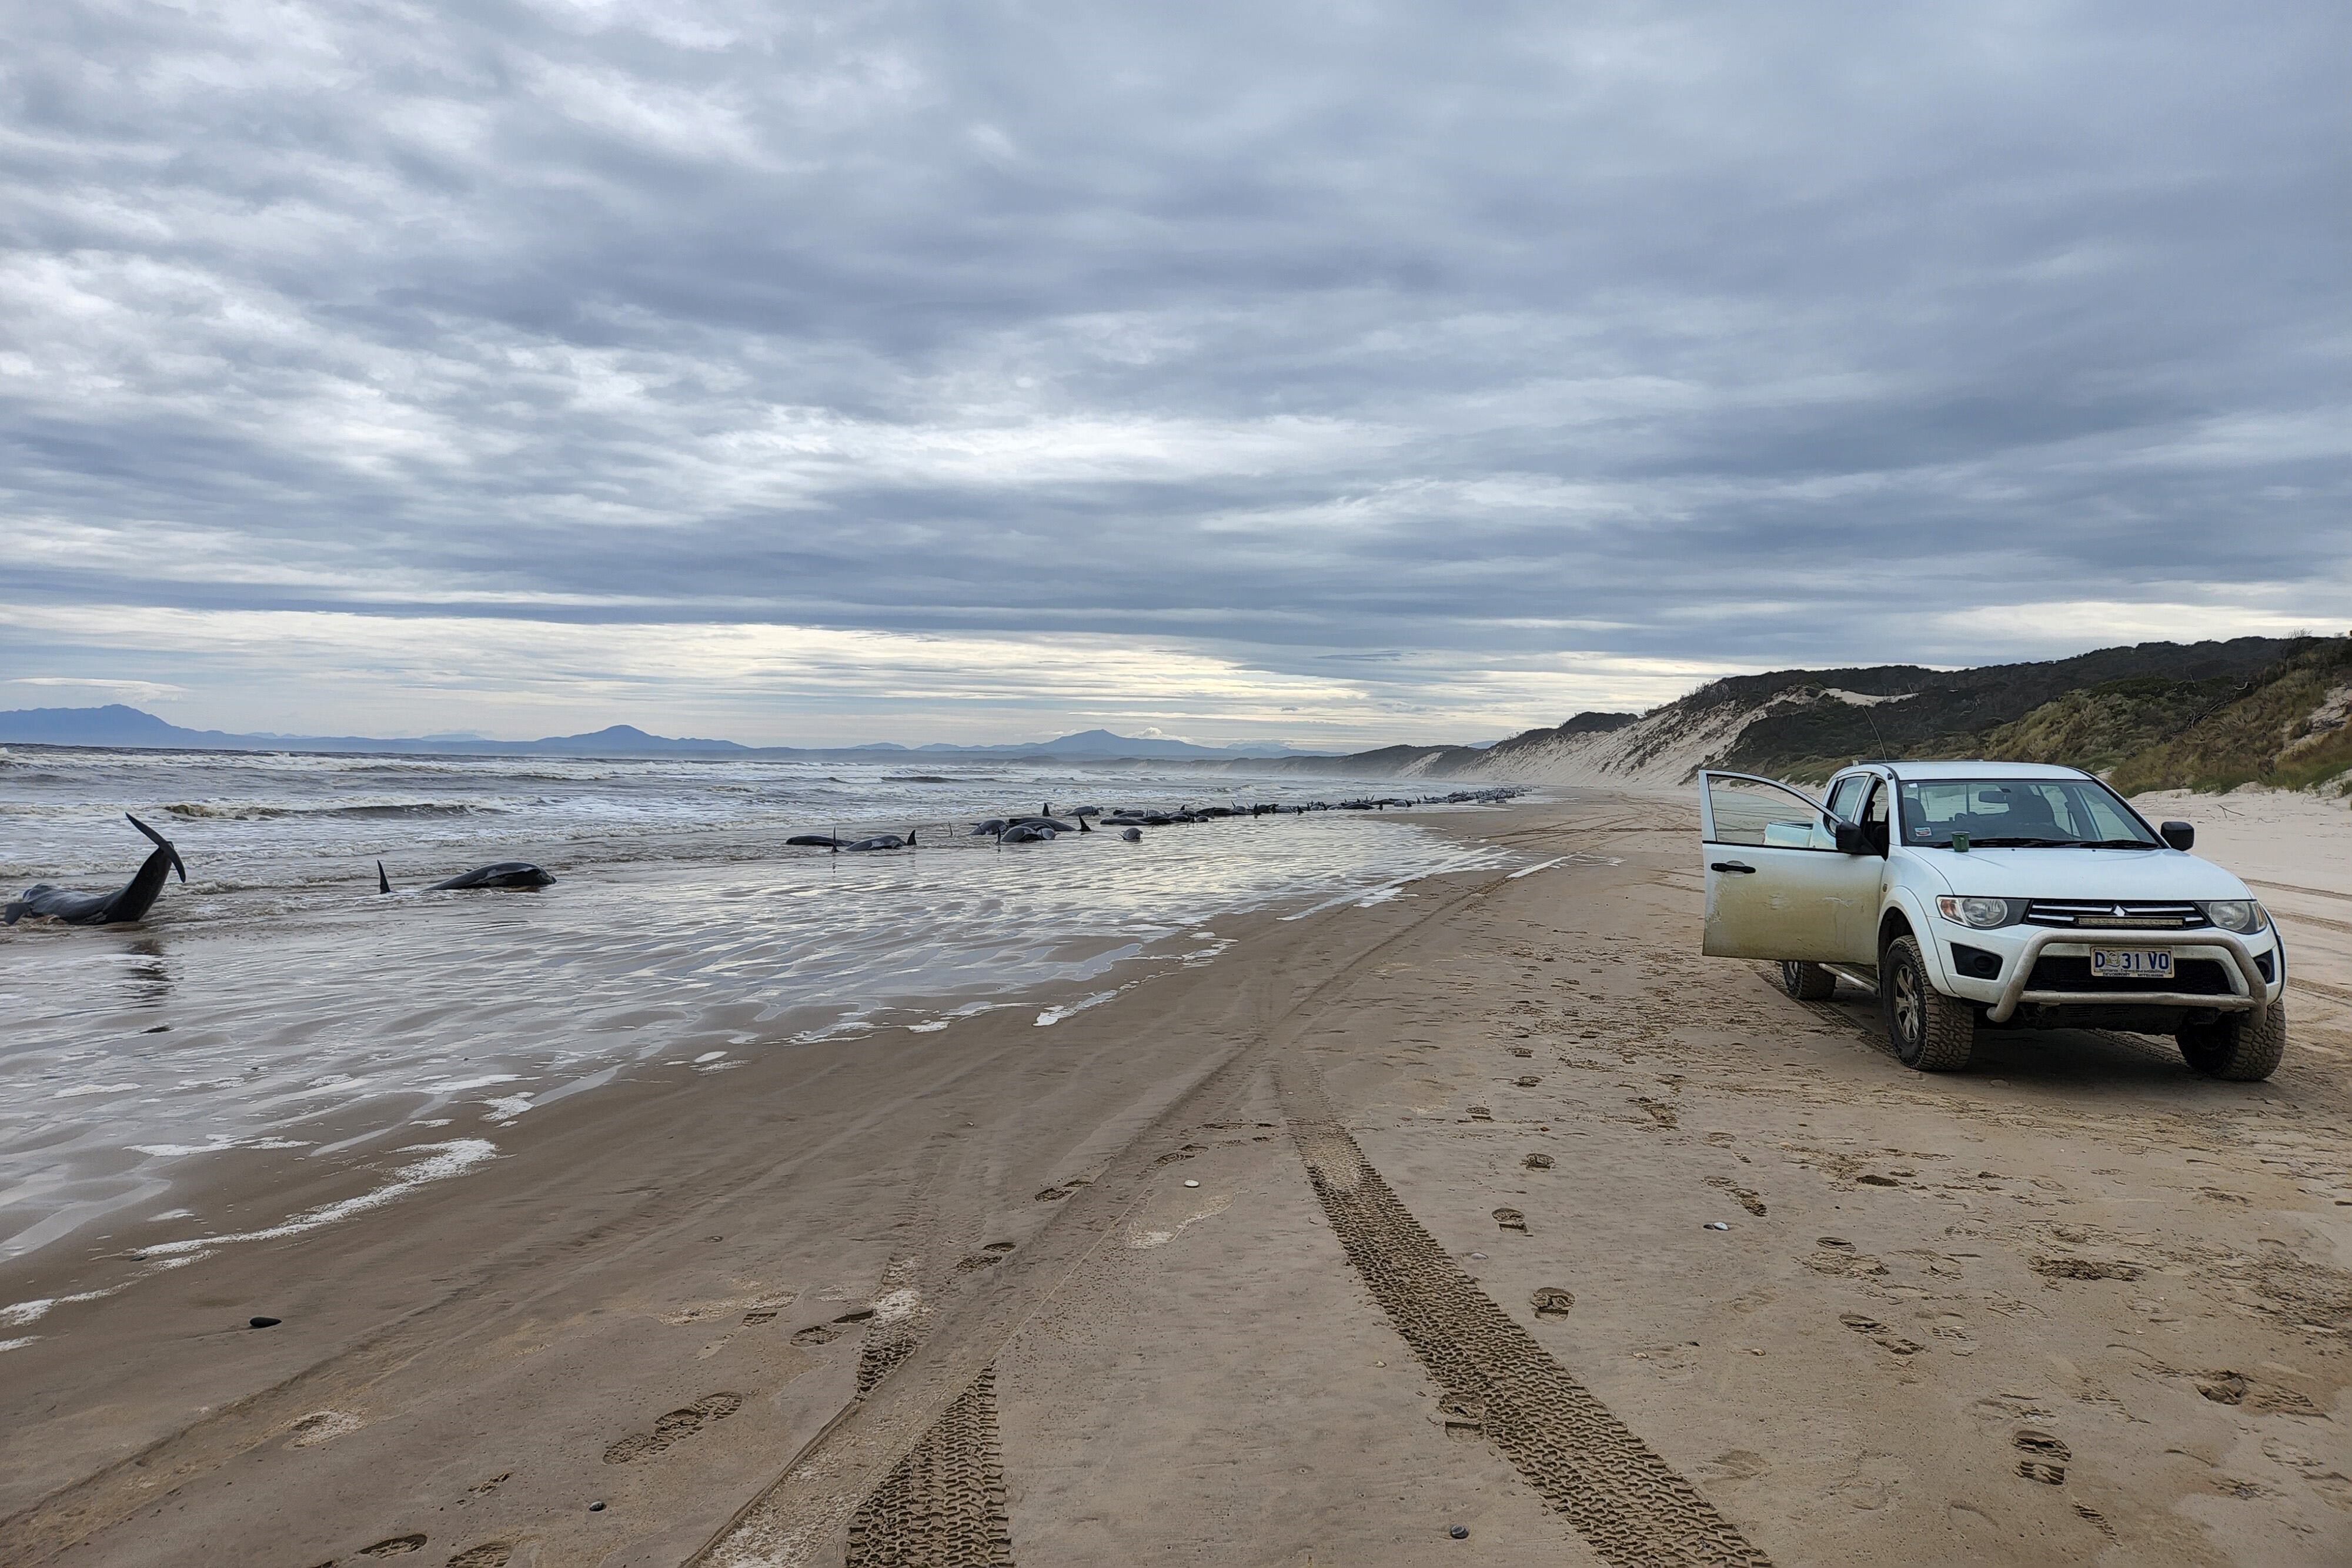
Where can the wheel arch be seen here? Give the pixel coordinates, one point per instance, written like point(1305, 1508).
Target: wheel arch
point(1903, 917)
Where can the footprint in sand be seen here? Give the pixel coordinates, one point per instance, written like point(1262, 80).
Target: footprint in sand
point(1952, 1330)
point(488, 1554)
point(2045, 1455)
point(1522, 1050)
point(669, 1428)
point(1529, 1081)
point(1511, 1219)
point(1837, 1256)
point(1053, 1195)
point(395, 1546)
point(986, 1257)
point(1551, 1302)
point(2083, 1269)
point(825, 1333)
point(1464, 1417)
point(1879, 1334)
point(1748, 1200)
point(1537, 1162)
point(1480, 1113)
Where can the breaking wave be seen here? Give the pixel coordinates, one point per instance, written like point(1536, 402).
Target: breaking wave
point(392, 809)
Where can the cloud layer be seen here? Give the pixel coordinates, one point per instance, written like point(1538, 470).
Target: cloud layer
point(1340, 372)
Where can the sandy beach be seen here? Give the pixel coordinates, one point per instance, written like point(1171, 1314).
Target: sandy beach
point(1390, 1223)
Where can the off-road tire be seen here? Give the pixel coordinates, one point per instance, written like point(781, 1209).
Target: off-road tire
point(1808, 982)
point(1931, 1031)
point(2242, 1047)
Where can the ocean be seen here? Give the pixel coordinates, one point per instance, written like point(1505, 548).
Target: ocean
point(279, 1002)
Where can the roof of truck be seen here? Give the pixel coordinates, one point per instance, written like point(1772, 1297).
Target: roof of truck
point(1923, 770)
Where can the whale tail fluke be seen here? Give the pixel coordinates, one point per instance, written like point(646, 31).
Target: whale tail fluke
point(162, 844)
point(382, 883)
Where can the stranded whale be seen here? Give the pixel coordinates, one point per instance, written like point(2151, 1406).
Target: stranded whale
point(130, 902)
point(519, 875)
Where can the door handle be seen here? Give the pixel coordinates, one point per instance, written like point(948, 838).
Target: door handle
point(1741, 866)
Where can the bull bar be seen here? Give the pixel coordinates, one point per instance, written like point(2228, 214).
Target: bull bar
point(2013, 992)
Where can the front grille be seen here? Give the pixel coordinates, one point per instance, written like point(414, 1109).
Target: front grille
point(2195, 977)
point(2113, 915)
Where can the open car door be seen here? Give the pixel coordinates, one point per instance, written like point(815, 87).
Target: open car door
point(1777, 887)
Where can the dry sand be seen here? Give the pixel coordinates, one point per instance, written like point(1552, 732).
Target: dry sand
point(2074, 1306)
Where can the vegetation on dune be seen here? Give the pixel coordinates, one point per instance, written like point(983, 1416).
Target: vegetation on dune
point(1814, 725)
point(2204, 716)
point(2286, 727)
point(2107, 725)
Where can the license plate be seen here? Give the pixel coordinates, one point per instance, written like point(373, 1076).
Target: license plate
point(2130, 964)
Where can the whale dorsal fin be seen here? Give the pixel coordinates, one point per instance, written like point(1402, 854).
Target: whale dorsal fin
point(382, 883)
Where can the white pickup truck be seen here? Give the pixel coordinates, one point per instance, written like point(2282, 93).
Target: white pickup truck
point(1994, 894)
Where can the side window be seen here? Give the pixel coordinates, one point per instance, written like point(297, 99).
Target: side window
point(1752, 811)
point(1874, 824)
point(1846, 798)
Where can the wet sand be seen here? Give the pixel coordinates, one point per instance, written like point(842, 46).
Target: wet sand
point(951, 1298)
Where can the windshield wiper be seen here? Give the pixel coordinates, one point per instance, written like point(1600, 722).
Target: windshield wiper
point(2018, 844)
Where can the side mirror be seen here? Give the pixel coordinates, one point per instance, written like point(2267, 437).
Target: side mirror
point(2179, 835)
point(1850, 838)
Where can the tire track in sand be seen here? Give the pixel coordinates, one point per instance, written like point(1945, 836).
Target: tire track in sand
point(1627, 1503)
point(943, 1505)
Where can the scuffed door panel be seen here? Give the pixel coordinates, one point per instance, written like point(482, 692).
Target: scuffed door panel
point(1775, 885)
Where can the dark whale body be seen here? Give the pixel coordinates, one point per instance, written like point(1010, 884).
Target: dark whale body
point(883, 841)
point(817, 842)
point(506, 874)
point(521, 875)
point(131, 901)
point(1036, 830)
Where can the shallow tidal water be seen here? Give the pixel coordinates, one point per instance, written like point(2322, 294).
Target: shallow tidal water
point(279, 1002)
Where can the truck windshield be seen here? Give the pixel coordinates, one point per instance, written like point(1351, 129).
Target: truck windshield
point(2013, 813)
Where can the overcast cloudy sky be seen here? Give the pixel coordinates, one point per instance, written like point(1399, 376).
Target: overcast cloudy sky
point(1331, 373)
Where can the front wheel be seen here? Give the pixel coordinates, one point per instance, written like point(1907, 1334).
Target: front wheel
point(2243, 1047)
point(1808, 982)
point(1931, 1031)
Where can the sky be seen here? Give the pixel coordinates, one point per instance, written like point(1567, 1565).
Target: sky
point(1329, 373)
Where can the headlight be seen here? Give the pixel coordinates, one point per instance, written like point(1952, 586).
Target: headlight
point(2242, 915)
point(1984, 913)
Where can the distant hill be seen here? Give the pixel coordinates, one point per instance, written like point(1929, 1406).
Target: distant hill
point(117, 726)
point(2157, 714)
point(2205, 716)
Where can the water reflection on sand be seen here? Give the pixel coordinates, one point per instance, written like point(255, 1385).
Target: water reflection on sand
point(344, 1023)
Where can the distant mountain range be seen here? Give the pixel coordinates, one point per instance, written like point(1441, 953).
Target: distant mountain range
point(116, 724)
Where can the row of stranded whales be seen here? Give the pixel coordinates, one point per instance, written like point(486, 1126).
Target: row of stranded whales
point(134, 898)
point(1131, 822)
point(131, 901)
